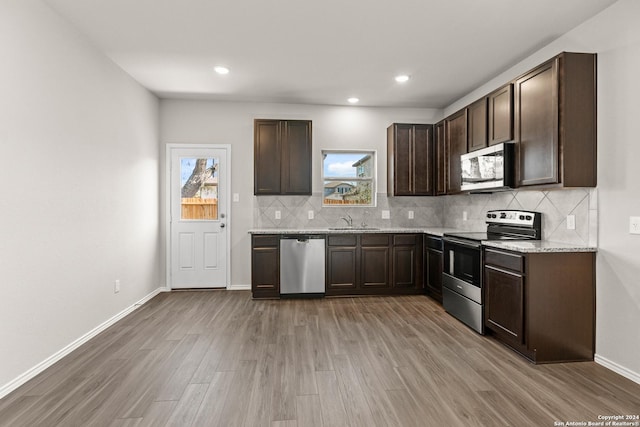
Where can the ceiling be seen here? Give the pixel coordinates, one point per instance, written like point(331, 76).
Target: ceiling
point(322, 52)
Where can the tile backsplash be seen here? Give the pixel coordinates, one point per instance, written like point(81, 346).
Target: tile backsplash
point(443, 211)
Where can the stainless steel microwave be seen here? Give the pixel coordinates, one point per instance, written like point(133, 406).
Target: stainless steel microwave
point(489, 169)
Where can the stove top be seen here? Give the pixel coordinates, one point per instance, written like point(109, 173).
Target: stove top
point(506, 225)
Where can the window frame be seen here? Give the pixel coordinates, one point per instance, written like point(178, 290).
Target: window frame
point(373, 179)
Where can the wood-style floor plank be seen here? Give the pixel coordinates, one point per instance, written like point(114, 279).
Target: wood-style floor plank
point(219, 358)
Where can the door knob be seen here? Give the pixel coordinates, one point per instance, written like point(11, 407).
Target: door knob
point(222, 225)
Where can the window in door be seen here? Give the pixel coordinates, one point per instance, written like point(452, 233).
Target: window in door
point(199, 188)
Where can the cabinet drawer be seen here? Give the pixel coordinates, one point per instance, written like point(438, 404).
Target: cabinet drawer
point(374, 240)
point(342, 240)
point(433, 243)
point(505, 260)
point(405, 239)
point(265, 241)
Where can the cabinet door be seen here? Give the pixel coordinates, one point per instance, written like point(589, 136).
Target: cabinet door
point(265, 266)
point(456, 137)
point(406, 265)
point(441, 163)
point(477, 125)
point(267, 157)
point(400, 152)
point(501, 115)
point(504, 304)
point(434, 273)
point(374, 267)
point(296, 157)
point(536, 125)
point(341, 270)
point(423, 160)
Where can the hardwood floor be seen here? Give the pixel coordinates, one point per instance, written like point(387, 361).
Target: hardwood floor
point(222, 359)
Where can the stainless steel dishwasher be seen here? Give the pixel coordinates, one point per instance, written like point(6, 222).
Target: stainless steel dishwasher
point(302, 266)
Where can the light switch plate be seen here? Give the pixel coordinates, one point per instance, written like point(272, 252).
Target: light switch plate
point(465, 215)
point(411, 215)
point(278, 215)
point(310, 214)
point(386, 214)
point(571, 222)
point(634, 224)
point(236, 197)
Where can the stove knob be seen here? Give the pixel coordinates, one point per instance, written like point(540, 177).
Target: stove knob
point(488, 215)
point(503, 215)
point(521, 217)
point(529, 217)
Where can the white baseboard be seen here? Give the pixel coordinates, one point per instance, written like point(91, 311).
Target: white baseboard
point(619, 369)
point(31, 373)
point(239, 288)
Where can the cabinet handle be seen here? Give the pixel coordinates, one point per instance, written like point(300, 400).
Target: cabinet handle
point(500, 270)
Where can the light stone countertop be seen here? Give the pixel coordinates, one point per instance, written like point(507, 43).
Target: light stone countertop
point(524, 246)
point(435, 231)
point(537, 246)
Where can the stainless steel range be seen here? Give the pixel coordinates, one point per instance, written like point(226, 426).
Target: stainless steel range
point(462, 293)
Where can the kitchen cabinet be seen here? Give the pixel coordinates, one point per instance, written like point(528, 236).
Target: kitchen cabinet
point(441, 157)
point(410, 159)
point(265, 266)
point(407, 261)
point(282, 157)
point(541, 304)
point(555, 122)
point(374, 264)
point(500, 111)
point(456, 145)
point(477, 125)
point(434, 266)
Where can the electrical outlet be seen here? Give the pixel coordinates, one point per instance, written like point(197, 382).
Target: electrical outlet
point(278, 215)
point(634, 224)
point(411, 215)
point(116, 287)
point(310, 214)
point(465, 215)
point(236, 197)
point(571, 222)
point(386, 214)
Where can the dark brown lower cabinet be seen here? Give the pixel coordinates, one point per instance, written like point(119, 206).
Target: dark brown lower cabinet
point(265, 266)
point(374, 264)
point(434, 266)
point(542, 304)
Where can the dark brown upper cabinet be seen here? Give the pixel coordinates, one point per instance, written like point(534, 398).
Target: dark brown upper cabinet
point(500, 120)
point(477, 125)
point(282, 157)
point(555, 122)
point(441, 158)
point(455, 127)
point(410, 160)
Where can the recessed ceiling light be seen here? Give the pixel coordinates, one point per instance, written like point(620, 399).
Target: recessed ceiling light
point(353, 100)
point(221, 70)
point(402, 78)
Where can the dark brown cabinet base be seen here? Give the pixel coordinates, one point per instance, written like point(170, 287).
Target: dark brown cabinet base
point(434, 266)
point(542, 304)
point(265, 266)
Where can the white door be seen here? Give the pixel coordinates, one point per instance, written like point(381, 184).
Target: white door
point(199, 236)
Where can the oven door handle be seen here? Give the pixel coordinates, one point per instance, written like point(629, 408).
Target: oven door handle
point(462, 243)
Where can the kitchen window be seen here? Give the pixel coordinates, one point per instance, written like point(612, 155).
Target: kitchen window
point(349, 178)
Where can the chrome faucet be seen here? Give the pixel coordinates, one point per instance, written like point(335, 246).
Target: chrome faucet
point(348, 220)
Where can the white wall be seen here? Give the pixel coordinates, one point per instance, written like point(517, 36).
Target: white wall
point(232, 123)
point(78, 187)
point(614, 35)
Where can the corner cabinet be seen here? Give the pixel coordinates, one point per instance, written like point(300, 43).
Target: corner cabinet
point(541, 304)
point(265, 265)
point(282, 157)
point(555, 122)
point(410, 157)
